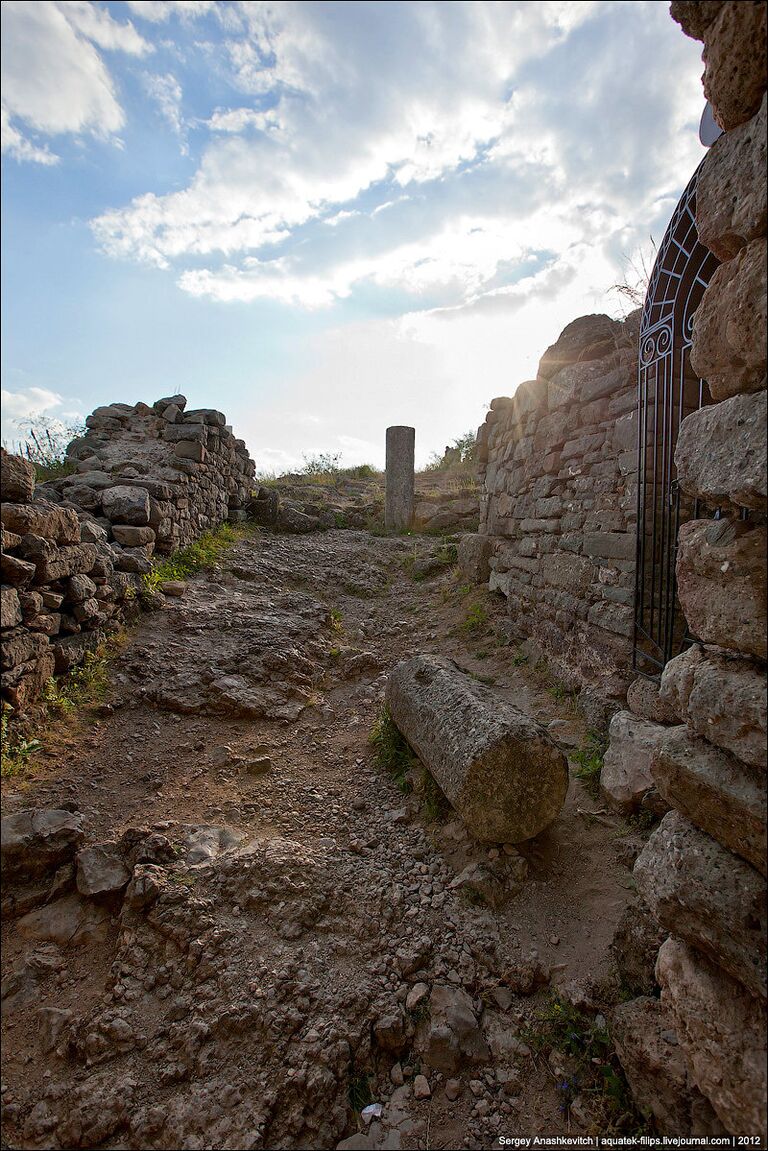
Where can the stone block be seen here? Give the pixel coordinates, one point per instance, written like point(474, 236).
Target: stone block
point(10, 608)
point(721, 698)
point(722, 453)
point(717, 792)
point(126, 504)
point(207, 416)
point(729, 328)
point(474, 552)
point(79, 588)
point(646, 1043)
point(735, 62)
point(587, 338)
point(573, 573)
point(645, 701)
point(722, 1030)
point(731, 189)
point(131, 536)
point(626, 776)
point(616, 618)
point(58, 563)
point(721, 582)
point(497, 767)
point(706, 896)
point(450, 1036)
point(191, 450)
point(17, 477)
point(565, 388)
point(42, 519)
point(36, 841)
point(16, 572)
point(609, 545)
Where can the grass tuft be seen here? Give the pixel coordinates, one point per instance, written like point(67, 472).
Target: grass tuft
point(597, 1075)
point(204, 552)
point(590, 761)
point(392, 751)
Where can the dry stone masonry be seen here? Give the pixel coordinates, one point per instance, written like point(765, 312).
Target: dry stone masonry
point(559, 461)
point(700, 741)
point(146, 480)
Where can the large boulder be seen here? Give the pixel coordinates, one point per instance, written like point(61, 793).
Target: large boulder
point(722, 454)
point(450, 1037)
point(657, 1071)
point(721, 582)
point(17, 477)
point(722, 698)
point(728, 348)
point(42, 519)
point(626, 776)
point(497, 767)
point(722, 1030)
point(717, 792)
point(126, 505)
point(37, 841)
point(706, 896)
point(731, 189)
point(587, 338)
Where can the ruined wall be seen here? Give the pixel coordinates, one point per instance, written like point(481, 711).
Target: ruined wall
point(701, 740)
point(559, 462)
point(145, 480)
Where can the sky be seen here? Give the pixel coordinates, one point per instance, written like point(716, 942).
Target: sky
point(325, 218)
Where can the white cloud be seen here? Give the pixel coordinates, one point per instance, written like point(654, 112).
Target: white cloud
point(97, 25)
point(166, 91)
point(159, 11)
point(39, 407)
point(485, 130)
point(14, 144)
point(54, 80)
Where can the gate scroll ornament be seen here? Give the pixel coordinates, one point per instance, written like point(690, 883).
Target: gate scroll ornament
point(668, 391)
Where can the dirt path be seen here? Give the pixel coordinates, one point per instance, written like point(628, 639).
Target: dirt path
point(291, 910)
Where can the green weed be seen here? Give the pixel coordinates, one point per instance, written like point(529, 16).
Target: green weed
point(590, 761)
point(475, 619)
point(359, 1091)
point(15, 749)
point(597, 1076)
point(391, 750)
point(335, 619)
point(203, 553)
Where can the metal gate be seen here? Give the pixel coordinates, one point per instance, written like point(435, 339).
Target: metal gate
point(668, 391)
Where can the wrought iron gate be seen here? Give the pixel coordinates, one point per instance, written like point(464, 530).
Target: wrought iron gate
point(668, 391)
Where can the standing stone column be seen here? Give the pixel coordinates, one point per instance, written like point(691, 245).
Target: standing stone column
point(398, 502)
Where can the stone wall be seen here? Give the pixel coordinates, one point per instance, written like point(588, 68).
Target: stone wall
point(559, 462)
point(700, 740)
point(144, 480)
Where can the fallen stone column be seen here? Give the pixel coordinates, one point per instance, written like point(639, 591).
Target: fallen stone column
point(398, 500)
point(497, 767)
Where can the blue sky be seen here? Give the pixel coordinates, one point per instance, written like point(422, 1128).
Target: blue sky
point(324, 218)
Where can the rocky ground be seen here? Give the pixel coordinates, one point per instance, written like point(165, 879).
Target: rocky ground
point(267, 936)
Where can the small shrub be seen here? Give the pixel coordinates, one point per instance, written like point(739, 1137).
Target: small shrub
point(335, 619)
point(322, 467)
